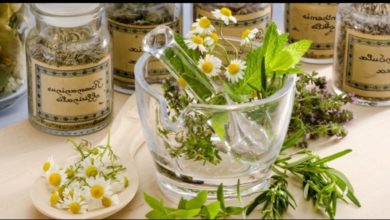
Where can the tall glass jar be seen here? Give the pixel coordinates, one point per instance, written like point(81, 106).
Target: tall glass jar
point(362, 58)
point(248, 15)
point(315, 22)
point(13, 26)
point(128, 24)
point(69, 69)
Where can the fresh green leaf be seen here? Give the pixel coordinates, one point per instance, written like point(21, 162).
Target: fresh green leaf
point(220, 197)
point(198, 201)
point(154, 203)
point(213, 209)
point(185, 213)
point(332, 157)
point(155, 214)
point(182, 203)
point(218, 122)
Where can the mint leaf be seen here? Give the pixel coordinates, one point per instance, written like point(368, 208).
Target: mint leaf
point(155, 214)
point(154, 203)
point(185, 214)
point(213, 210)
point(198, 201)
point(182, 203)
point(282, 61)
point(218, 122)
point(220, 196)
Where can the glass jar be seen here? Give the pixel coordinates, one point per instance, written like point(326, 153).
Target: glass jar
point(253, 134)
point(248, 15)
point(315, 22)
point(13, 26)
point(128, 23)
point(69, 69)
point(362, 58)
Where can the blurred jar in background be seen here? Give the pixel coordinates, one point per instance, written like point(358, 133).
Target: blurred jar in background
point(128, 24)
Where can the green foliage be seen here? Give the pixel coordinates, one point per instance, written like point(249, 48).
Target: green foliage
point(193, 208)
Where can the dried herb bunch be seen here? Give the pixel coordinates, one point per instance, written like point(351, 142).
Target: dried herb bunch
point(68, 46)
point(12, 27)
point(141, 13)
point(237, 8)
point(316, 111)
point(373, 20)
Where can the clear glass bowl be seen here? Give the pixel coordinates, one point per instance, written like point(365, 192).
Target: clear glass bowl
point(253, 136)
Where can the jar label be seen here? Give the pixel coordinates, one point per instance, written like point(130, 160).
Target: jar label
point(127, 48)
point(314, 22)
point(71, 95)
point(367, 64)
point(258, 19)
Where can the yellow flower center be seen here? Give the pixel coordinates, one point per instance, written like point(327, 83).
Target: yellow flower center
point(54, 198)
point(55, 179)
point(225, 11)
point(233, 68)
point(69, 173)
point(204, 23)
point(97, 191)
point(182, 82)
point(91, 171)
point(207, 67)
point(46, 166)
point(106, 201)
point(126, 182)
point(74, 207)
point(214, 36)
point(197, 40)
point(245, 34)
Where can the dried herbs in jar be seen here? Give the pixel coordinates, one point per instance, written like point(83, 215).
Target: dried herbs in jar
point(69, 69)
point(128, 24)
point(315, 22)
point(248, 15)
point(362, 58)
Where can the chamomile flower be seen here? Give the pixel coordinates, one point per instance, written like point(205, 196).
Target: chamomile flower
point(203, 26)
point(74, 189)
point(196, 42)
point(97, 188)
point(225, 15)
point(90, 168)
point(119, 183)
point(47, 165)
point(56, 177)
point(211, 39)
point(235, 70)
point(74, 204)
point(210, 65)
point(248, 35)
point(55, 198)
point(109, 200)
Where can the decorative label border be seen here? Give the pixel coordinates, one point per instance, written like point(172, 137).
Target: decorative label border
point(39, 70)
point(352, 39)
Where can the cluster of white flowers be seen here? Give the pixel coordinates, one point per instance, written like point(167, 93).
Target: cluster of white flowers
point(203, 37)
point(92, 182)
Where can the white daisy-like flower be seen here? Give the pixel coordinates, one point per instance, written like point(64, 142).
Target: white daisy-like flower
point(73, 189)
point(120, 183)
point(235, 70)
point(203, 26)
point(90, 168)
point(55, 176)
point(225, 15)
point(248, 35)
point(55, 198)
point(47, 165)
point(97, 188)
point(211, 39)
point(196, 42)
point(210, 65)
point(74, 204)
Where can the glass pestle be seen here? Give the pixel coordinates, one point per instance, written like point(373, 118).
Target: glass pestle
point(160, 43)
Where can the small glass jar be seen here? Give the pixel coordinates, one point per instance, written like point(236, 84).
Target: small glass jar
point(13, 26)
point(69, 69)
point(362, 58)
point(248, 15)
point(128, 24)
point(315, 22)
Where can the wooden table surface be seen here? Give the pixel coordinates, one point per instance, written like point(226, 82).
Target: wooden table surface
point(23, 148)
